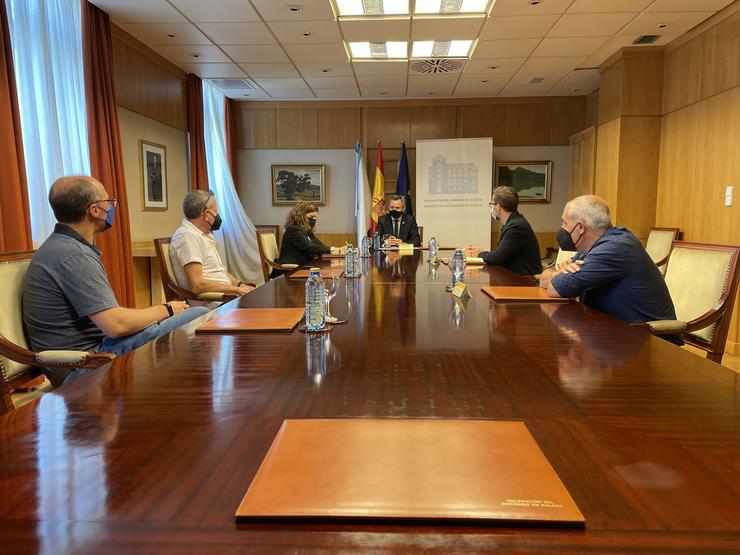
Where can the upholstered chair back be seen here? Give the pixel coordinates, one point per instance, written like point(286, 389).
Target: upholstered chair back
point(564, 255)
point(12, 273)
point(659, 245)
point(696, 280)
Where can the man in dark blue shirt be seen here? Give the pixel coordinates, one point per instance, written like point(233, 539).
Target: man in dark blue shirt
point(612, 272)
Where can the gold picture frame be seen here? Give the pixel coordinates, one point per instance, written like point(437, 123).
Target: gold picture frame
point(293, 183)
point(531, 179)
point(153, 172)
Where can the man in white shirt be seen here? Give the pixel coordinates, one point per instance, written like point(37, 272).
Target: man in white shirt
point(193, 253)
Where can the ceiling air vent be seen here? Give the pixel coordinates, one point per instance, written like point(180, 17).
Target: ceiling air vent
point(228, 85)
point(646, 39)
point(535, 80)
point(437, 65)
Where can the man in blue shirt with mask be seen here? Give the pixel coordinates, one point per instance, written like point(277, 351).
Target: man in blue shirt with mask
point(68, 303)
point(611, 272)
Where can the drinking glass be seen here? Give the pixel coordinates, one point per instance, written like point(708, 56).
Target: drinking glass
point(330, 285)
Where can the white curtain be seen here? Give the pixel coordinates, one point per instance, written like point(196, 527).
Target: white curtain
point(238, 235)
point(47, 54)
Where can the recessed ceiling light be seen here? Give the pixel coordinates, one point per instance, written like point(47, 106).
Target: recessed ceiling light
point(575, 90)
point(383, 93)
point(484, 80)
point(390, 50)
point(441, 49)
point(360, 7)
point(171, 35)
point(430, 92)
point(294, 7)
point(325, 70)
point(662, 25)
point(195, 55)
point(492, 67)
point(307, 34)
point(450, 6)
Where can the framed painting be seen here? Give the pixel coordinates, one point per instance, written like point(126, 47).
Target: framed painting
point(293, 183)
point(530, 179)
point(153, 164)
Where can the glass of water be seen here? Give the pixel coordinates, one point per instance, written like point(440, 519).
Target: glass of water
point(330, 285)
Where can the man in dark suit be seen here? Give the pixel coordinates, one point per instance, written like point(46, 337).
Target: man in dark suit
point(518, 249)
point(400, 227)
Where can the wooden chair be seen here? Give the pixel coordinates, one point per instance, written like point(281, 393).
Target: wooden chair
point(172, 291)
point(702, 280)
point(17, 362)
point(421, 235)
point(267, 242)
point(659, 244)
point(270, 228)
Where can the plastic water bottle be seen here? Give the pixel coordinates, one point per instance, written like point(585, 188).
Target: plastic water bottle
point(376, 241)
point(433, 250)
point(366, 241)
point(315, 301)
point(349, 262)
point(457, 266)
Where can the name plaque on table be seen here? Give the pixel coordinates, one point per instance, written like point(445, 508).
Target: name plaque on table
point(408, 469)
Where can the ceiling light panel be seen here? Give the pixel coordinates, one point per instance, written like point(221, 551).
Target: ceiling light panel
point(391, 50)
point(451, 6)
point(441, 49)
point(350, 8)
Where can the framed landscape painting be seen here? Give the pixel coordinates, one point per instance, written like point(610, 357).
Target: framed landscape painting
point(293, 183)
point(530, 179)
point(153, 164)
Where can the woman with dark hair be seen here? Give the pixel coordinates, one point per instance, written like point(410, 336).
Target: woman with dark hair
point(300, 246)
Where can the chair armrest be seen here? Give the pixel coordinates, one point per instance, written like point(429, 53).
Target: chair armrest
point(666, 327)
point(76, 359)
point(210, 296)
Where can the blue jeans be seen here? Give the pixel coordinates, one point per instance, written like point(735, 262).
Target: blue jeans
point(122, 345)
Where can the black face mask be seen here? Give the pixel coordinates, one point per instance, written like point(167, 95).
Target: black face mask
point(565, 241)
point(312, 222)
point(395, 214)
point(217, 221)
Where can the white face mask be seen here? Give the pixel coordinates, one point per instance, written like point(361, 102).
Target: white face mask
point(494, 214)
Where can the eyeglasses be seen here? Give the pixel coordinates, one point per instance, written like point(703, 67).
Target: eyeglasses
point(492, 204)
point(113, 202)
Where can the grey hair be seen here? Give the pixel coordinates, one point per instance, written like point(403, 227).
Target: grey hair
point(195, 202)
point(398, 197)
point(593, 210)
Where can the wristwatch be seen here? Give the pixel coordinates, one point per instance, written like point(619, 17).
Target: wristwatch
point(170, 310)
point(241, 283)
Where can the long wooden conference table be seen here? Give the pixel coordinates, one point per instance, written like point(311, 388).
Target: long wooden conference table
point(154, 453)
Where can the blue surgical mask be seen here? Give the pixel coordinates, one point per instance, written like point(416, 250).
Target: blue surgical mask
point(109, 217)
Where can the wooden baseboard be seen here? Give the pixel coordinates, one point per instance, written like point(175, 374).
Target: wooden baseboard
point(732, 348)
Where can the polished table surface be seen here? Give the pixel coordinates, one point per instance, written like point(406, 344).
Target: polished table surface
point(153, 454)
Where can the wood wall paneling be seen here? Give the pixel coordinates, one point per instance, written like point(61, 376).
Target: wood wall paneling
point(339, 127)
point(639, 149)
point(720, 46)
point(582, 163)
point(529, 124)
point(387, 124)
point(431, 122)
point(607, 162)
point(485, 121)
point(610, 93)
point(642, 86)
point(592, 108)
point(297, 128)
point(566, 119)
point(146, 83)
point(681, 72)
point(257, 127)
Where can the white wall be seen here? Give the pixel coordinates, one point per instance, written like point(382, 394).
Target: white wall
point(255, 192)
point(542, 217)
point(145, 226)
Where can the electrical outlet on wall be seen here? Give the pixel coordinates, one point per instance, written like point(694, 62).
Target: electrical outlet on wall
point(729, 193)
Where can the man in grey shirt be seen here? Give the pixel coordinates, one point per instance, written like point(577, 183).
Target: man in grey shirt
point(68, 303)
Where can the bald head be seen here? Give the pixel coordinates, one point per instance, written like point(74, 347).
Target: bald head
point(71, 196)
point(590, 209)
